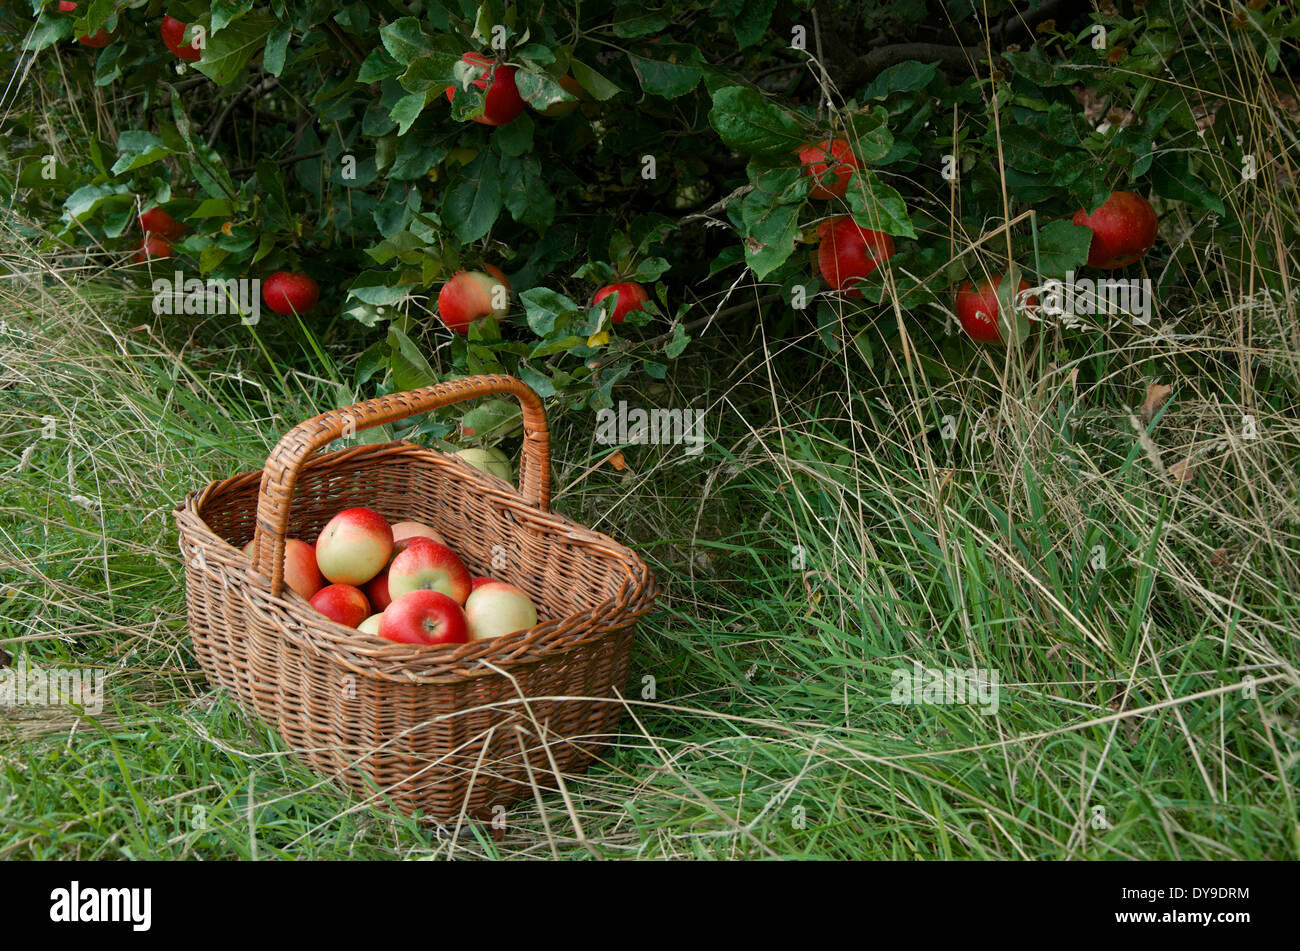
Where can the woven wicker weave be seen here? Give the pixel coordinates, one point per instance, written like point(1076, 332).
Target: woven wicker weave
point(449, 730)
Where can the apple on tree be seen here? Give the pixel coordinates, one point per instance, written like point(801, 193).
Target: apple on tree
point(288, 293)
point(152, 246)
point(849, 252)
point(424, 617)
point(501, 100)
point(342, 603)
point(631, 296)
point(495, 608)
point(834, 156)
point(557, 110)
point(471, 295)
point(156, 221)
point(97, 40)
point(300, 570)
point(173, 37)
point(354, 546)
point(990, 314)
point(1123, 230)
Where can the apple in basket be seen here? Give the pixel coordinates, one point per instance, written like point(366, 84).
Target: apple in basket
point(415, 530)
point(496, 608)
point(476, 582)
point(300, 571)
point(424, 617)
point(342, 603)
point(427, 565)
point(371, 624)
point(354, 546)
point(377, 587)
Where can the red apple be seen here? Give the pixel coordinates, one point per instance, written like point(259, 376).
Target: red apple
point(475, 583)
point(468, 296)
point(848, 252)
point(156, 221)
point(834, 155)
point(99, 39)
point(300, 571)
point(342, 603)
point(502, 102)
point(377, 589)
point(354, 546)
point(424, 617)
point(980, 312)
point(1123, 229)
point(173, 37)
point(152, 246)
point(288, 293)
point(403, 530)
point(430, 566)
point(557, 110)
point(631, 296)
point(497, 608)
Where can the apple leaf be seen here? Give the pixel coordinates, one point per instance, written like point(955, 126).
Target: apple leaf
point(406, 110)
point(540, 90)
point(1171, 177)
point(228, 52)
point(544, 308)
point(903, 77)
point(678, 343)
point(378, 65)
point(770, 232)
point(138, 149)
point(434, 71)
point(410, 369)
point(225, 12)
point(869, 134)
point(669, 80)
point(750, 123)
point(277, 46)
point(493, 418)
point(1062, 247)
point(878, 206)
point(89, 197)
point(472, 205)
point(750, 25)
point(592, 81)
point(405, 39)
point(527, 195)
point(515, 138)
point(651, 269)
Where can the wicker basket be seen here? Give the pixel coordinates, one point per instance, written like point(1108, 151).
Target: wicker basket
point(449, 730)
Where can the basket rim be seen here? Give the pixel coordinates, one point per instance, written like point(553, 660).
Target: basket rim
point(372, 656)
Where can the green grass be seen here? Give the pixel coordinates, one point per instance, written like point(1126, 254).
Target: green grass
point(826, 538)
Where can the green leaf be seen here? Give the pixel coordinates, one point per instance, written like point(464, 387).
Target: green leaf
point(869, 134)
point(1171, 177)
point(651, 269)
point(405, 39)
point(592, 81)
point(409, 367)
point(770, 232)
point(471, 206)
point(641, 25)
point(277, 45)
point(878, 206)
point(138, 149)
point(903, 77)
point(407, 110)
point(540, 90)
point(378, 65)
point(749, 123)
point(662, 78)
point(225, 12)
point(1062, 246)
point(752, 23)
point(678, 343)
point(544, 308)
point(432, 72)
point(527, 194)
point(515, 138)
point(89, 197)
point(538, 381)
point(228, 52)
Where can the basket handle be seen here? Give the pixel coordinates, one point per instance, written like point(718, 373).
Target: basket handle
point(280, 475)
